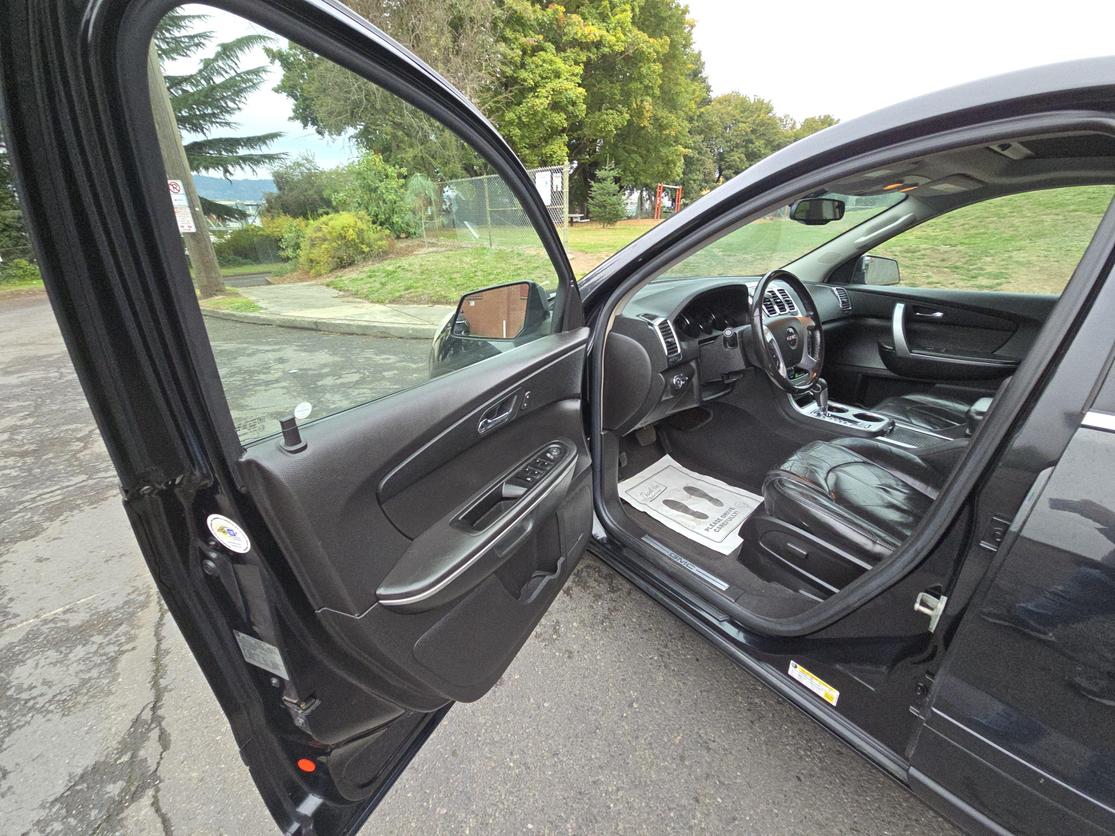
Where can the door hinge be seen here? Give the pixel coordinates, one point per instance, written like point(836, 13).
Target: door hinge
point(931, 604)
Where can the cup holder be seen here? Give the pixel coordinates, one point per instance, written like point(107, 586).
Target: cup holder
point(868, 417)
point(837, 409)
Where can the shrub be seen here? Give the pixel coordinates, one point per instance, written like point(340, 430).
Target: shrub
point(374, 186)
point(301, 189)
point(288, 232)
point(341, 240)
point(251, 244)
point(18, 271)
point(605, 198)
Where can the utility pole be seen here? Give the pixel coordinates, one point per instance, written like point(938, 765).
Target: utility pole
point(203, 259)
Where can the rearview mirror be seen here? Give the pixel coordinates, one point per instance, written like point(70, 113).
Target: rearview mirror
point(815, 211)
point(874, 269)
point(499, 313)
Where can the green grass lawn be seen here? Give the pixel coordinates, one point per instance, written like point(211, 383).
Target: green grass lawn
point(230, 300)
point(1028, 242)
point(11, 288)
point(440, 277)
point(252, 269)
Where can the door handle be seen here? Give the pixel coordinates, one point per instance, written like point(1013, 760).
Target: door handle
point(497, 415)
point(929, 314)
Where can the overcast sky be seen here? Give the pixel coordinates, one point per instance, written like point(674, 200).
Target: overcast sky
point(811, 57)
point(848, 59)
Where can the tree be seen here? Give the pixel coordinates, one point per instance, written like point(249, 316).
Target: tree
point(374, 187)
point(812, 124)
point(301, 189)
point(207, 100)
point(590, 80)
point(606, 203)
point(732, 132)
point(600, 80)
point(455, 36)
point(14, 242)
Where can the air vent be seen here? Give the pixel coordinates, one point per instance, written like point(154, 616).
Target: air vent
point(842, 297)
point(778, 302)
point(669, 339)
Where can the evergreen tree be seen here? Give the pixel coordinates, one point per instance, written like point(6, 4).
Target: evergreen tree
point(206, 101)
point(606, 203)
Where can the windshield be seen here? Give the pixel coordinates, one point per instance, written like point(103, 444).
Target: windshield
point(774, 240)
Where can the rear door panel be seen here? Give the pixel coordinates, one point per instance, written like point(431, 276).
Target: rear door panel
point(968, 341)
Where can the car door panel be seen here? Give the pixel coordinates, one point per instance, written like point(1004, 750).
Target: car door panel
point(969, 340)
point(383, 574)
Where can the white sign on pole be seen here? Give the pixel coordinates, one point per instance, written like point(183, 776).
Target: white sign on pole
point(181, 205)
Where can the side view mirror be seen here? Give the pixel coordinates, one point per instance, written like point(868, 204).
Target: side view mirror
point(875, 269)
point(816, 211)
point(500, 313)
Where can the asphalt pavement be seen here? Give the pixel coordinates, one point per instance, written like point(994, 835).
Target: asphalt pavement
point(614, 717)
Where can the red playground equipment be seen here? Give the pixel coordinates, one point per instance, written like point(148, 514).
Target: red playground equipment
point(660, 193)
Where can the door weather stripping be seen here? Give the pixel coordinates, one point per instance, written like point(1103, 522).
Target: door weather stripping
point(927, 603)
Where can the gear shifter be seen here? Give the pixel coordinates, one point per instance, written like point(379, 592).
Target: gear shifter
point(820, 392)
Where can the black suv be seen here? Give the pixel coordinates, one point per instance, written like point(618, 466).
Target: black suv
point(892, 503)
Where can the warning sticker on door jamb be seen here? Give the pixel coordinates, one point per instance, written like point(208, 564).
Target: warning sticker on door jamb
point(814, 683)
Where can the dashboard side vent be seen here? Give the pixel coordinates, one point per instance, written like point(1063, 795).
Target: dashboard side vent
point(778, 301)
point(842, 297)
point(669, 338)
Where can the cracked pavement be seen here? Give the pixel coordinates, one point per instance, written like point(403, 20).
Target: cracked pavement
point(613, 717)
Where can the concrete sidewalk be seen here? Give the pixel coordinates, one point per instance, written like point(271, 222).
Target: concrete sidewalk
point(320, 308)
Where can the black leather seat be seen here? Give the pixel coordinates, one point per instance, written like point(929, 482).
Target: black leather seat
point(859, 495)
point(927, 412)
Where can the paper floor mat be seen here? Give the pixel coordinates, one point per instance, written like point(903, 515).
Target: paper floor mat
point(705, 510)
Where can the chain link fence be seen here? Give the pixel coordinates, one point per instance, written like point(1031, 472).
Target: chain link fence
point(485, 212)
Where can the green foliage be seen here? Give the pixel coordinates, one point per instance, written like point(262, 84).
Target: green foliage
point(606, 203)
point(301, 189)
point(19, 271)
point(13, 237)
point(341, 240)
point(454, 35)
point(732, 132)
point(250, 244)
point(209, 99)
point(422, 196)
point(375, 187)
point(288, 233)
point(336, 102)
point(597, 80)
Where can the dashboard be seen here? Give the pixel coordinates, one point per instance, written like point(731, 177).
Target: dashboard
point(667, 350)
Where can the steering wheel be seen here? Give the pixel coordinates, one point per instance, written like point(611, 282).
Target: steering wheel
point(790, 340)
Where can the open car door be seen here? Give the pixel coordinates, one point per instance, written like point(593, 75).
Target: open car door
point(341, 583)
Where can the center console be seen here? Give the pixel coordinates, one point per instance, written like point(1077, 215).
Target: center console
point(861, 422)
point(848, 416)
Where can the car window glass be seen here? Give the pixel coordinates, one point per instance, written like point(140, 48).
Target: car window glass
point(776, 239)
point(331, 227)
point(1024, 243)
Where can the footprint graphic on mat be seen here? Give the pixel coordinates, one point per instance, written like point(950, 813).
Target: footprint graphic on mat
point(681, 507)
point(700, 494)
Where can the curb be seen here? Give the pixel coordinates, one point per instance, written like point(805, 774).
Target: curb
point(332, 326)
